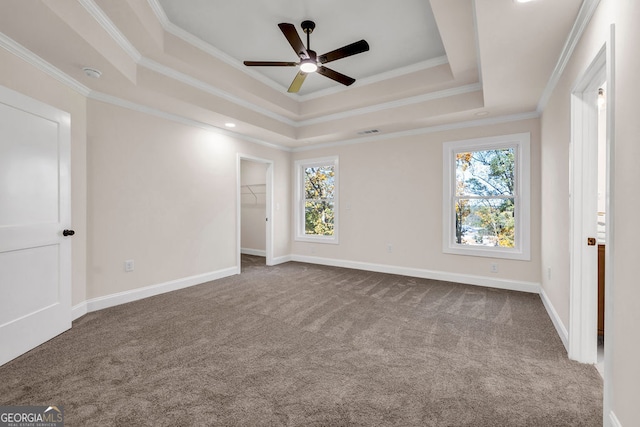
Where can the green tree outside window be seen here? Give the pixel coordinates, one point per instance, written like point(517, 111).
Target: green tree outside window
point(484, 199)
point(319, 200)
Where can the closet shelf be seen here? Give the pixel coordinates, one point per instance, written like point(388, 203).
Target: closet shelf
point(254, 190)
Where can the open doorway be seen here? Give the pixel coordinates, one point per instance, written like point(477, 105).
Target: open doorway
point(601, 233)
point(254, 213)
point(590, 207)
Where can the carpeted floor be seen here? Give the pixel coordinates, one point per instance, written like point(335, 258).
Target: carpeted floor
point(306, 345)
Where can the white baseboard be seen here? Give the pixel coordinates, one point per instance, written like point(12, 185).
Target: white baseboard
point(255, 252)
point(614, 420)
point(79, 310)
point(513, 285)
point(281, 260)
point(107, 301)
point(553, 314)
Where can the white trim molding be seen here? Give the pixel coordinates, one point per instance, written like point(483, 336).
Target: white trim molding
point(281, 260)
point(426, 97)
point(585, 14)
point(555, 318)
point(25, 54)
point(299, 232)
point(79, 310)
point(119, 102)
point(254, 252)
point(467, 279)
point(124, 297)
point(521, 195)
point(107, 24)
point(583, 183)
point(614, 420)
point(490, 121)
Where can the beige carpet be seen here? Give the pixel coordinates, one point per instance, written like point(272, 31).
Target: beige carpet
point(306, 345)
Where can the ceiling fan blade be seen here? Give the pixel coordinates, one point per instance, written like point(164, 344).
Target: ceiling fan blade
point(297, 82)
point(343, 52)
point(334, 75)
point(290, 32)
point(269, 64)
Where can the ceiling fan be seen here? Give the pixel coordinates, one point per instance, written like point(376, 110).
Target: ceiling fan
point(310, 62)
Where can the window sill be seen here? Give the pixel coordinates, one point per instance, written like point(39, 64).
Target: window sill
point(333, 240)
point(488, 252)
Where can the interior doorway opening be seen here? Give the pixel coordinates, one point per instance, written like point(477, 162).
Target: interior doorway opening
point(590, 206)
point(601, 220)
point(254, 211)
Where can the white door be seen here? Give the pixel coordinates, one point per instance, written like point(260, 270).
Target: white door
point(35, 257)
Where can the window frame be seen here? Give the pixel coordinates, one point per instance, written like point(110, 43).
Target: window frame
point(521, 143)
point(299, 202)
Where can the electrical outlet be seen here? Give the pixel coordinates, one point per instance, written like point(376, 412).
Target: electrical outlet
point(494, 267)
point(549, 273)
point(129, 265)
point(389, 247)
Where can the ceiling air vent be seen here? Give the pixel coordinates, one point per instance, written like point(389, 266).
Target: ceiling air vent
point(368, 132)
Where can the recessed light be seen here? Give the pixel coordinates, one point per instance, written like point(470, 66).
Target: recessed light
point(522, 1)
point(92, 72)
point(230, 125)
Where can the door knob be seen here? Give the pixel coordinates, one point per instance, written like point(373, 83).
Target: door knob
point(68, 233)
point(591, 241)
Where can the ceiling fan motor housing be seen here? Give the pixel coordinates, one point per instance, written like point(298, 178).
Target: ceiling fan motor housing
point(308, 26)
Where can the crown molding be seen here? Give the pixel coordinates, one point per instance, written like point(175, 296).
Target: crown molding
point(123, 103)
point(393, 104)
point(212, 90)
point(197, 42)
point(398, 72)
point(159, 12)
point(477, 34)
point(426, 130)
point(25, 54)
point(585, 14)
point(108, 25)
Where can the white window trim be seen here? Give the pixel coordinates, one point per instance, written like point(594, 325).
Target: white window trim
point(522, 193)
point(299, 234)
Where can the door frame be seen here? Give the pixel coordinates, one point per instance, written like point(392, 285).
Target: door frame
point(583, 168)
point(268, 210)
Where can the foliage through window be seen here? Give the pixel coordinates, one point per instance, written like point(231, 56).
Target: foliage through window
point(484, 200)
point(488, 196)
point(317, 208)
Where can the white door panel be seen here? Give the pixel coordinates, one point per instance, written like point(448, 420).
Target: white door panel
point(35, 258)
point(28, 168)
point(33, 289)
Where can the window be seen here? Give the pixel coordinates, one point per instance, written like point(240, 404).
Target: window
point(317, 200)
point(486, 197)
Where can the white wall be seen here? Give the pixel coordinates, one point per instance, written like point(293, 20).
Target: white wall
point(391, 193)
point(622, 370)
point(626, 315)
point(253, 206)
point(164, 195)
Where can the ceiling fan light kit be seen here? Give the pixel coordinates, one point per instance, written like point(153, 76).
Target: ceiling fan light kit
point(310, 62)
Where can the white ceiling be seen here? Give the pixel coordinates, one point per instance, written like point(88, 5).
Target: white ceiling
point(182, 59)
point(399, 33)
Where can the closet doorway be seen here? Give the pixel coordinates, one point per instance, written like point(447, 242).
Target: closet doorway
point(255, 196)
